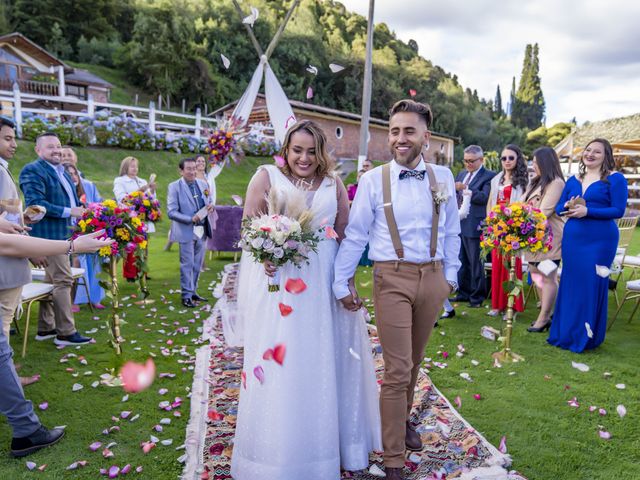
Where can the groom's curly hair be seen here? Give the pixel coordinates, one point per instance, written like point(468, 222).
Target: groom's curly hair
point(326, 164)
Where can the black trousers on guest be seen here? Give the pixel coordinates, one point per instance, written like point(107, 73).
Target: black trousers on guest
point(471, 277)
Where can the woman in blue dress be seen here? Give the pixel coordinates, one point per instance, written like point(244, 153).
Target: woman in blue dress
point(590, 239)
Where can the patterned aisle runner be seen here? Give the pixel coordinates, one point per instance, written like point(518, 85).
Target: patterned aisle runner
point(452, 448)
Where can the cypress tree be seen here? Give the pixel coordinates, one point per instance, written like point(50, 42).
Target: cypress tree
point(528, 108)
point(497, 104)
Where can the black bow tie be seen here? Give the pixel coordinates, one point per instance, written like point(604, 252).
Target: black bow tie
point(418, 174)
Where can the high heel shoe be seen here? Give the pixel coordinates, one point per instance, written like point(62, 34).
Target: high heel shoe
point(541, 329)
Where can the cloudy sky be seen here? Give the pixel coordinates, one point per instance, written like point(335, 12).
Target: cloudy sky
point(589, 49)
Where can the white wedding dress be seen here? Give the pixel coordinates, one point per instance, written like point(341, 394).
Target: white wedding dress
point(319, 410)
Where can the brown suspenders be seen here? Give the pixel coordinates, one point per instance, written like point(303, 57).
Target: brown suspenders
point(391, 221)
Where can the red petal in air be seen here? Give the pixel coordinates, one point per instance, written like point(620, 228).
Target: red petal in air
point(295, 285)
point(279, 352)
point(285, 309)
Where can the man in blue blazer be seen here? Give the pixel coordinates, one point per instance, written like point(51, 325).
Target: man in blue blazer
point(44, 182)
point(471, 277)
point(185, 198)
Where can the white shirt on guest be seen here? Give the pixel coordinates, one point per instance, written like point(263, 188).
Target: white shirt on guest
point(124, 185)
point(412, 208)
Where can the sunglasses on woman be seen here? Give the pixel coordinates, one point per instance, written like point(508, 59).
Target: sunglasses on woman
point(510, 157)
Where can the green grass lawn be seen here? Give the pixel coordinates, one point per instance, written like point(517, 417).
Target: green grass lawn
point(527, 401)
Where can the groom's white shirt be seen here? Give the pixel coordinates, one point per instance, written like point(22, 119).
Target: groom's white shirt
point(413, 209)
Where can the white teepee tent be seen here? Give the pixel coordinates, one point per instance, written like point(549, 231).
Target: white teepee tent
point(278, 106)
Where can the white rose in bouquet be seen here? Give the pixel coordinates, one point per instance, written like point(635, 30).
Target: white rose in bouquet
point(278, 252)
point(279, 237)
point(257, 242)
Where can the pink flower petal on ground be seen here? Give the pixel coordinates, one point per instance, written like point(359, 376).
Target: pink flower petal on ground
point(126, 469)
point(147, 446)
point(412, 92)
point(309, 93)
point(95, 446)
point(477, 396)
point(259, 374)
point(237, 199)
point(113, 471)
point(125, 414)
point(445, 354)
point(503, 444)
point(43, 405)
point(139, 469)
point(295, 286)
point(622, 411)
point(280, 162)
point(593, 408)
point(163, 391)
point(137, 377)
point(458, 401)
point(604, 435)
point(106, 453)
point(573, 402)
point(31, 465)
point(602, 412)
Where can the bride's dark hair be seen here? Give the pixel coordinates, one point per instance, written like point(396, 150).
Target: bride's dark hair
point(326, 164)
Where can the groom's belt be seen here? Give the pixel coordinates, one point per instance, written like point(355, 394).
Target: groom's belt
point(404, 264)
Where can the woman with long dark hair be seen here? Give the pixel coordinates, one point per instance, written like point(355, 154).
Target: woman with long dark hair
point(543, 193)
point(507, 187)
point(591, 201)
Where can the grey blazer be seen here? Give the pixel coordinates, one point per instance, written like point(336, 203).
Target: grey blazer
point(181, 207)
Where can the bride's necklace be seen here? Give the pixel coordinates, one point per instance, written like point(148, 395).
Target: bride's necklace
point(302, 183)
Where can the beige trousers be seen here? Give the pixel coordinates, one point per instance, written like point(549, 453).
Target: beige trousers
point(56, 314)
point(9, 300)
point(407, 299)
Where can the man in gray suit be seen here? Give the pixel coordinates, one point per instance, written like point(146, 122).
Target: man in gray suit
point(188, 204)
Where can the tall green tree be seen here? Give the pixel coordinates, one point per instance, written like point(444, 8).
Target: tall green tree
point(497, 104)
point(529, 105)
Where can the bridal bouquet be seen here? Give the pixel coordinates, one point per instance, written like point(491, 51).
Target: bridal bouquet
point(284, 234)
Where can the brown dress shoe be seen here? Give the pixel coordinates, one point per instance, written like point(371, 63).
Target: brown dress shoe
point(412, 440)
point(393, 473)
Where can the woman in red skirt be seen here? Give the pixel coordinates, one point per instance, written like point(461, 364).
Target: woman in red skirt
point(507, 187)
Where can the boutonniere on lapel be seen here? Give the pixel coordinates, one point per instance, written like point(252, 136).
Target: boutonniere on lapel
point(205, 192)
point(440, 195)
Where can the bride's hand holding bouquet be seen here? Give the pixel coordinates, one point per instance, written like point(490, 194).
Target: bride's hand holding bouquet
point(284, 234)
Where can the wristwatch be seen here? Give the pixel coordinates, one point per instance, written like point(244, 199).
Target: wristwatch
point(453, 285)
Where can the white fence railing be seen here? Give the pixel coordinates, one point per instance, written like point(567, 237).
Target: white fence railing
point(156, 120)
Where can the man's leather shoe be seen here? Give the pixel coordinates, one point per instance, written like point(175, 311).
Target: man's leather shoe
point(393, 473)
point(450, 314)
point(41, 438)
point(412, 439)
point(187, 302)
point(198, 298)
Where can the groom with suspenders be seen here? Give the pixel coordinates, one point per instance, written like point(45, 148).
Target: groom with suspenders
point(407, 211)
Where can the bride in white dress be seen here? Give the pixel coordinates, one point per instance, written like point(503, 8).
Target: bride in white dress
point(318, 411)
